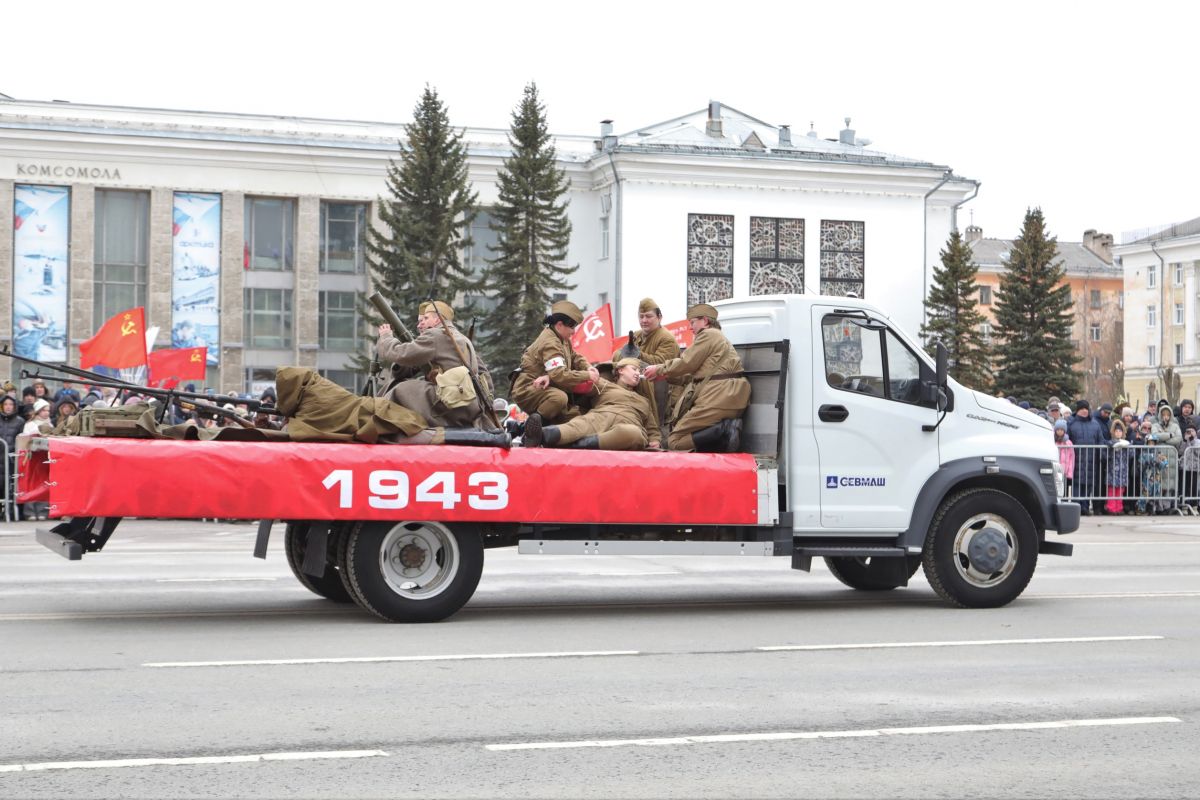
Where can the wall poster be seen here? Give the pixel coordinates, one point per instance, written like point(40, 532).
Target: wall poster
point(41, 237)
point(196, 283)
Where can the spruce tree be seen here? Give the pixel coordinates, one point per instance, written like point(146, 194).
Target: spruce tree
point(416, 253)
point(952, 316)
point(1035, 357)
point(530, 219)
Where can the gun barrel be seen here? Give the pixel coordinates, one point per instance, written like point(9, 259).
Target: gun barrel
point(388, 314)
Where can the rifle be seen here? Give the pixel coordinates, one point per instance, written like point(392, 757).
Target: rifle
point(485, 397)
point(389, 316)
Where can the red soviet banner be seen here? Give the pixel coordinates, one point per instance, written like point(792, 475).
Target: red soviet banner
point(682, 331)
point(169, 367)
point(119, 344)
point(593, 338)
point(305, 480)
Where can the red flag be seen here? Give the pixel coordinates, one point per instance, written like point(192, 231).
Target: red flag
point(169, 367)
point(682, 331)
point(120, 342)
point(593, 338)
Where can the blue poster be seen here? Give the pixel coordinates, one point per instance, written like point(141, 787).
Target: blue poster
point(41, 236)
point(196, 284)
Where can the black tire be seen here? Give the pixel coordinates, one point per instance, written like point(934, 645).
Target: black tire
point(412, 571)
point(1005, 553)
point(865, 573)
point(329, 585)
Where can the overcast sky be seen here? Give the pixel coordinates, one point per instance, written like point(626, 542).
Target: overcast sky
point(1087, 110)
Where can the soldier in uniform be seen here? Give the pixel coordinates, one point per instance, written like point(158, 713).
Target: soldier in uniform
point(446, 397)
point(706, 419)
point(551, 369)
point(620, 419)
point(656, 345)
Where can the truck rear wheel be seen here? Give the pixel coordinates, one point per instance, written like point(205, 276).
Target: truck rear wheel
point(412, 571)
point(329, 585)
point(981, 549)
point(868, 573)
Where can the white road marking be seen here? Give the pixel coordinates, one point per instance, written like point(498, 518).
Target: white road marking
point(961, 643)
point(623, 574)
point(1137, 544)
point(780, 736)
point(177, 762)
point(388, 659)
point(209, 580)
point(1116, 595)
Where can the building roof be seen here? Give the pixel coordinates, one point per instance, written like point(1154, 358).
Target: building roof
point(1159, 233)
point(990, 255)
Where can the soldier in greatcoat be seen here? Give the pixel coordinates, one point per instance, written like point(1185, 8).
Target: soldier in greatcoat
point(446, 397)
point(551, 369)
point(620, 419)
point(656, 345)
point(707, 417)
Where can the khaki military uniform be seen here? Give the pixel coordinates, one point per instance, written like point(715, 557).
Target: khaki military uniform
point(658, 347)
point(713, 394)
point(320, 410)
point(434, 348)
point(620, 417)
point(550, 355)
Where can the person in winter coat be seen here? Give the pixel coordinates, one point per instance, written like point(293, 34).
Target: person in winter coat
point(1088, 439)
point(1189, 466)
point(1118, 469)
point(1184, 415)
point(1166, 433)
point(1066, 453)
point(11, 423)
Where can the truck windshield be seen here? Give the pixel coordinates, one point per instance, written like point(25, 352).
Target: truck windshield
point(864, 356)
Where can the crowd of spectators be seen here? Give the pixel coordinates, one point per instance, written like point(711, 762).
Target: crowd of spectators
point(35, 409)
point(1120, 462)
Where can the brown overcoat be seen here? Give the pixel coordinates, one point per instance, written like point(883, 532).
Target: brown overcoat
point(432, 347)
point(710, 354)
point(319, 410)
point(549, 355)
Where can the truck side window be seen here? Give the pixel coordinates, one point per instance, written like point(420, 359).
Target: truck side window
point(862, 355)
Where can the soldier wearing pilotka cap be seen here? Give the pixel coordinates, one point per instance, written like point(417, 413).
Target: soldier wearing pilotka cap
point(620, 419)
point(551, 369)
point(707, 417)
point(656, 345)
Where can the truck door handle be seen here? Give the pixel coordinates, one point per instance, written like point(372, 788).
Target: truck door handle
point(832, 413)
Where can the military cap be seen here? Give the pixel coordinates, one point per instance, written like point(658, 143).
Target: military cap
point(445, 310)
point(567, 309)
point(627, 362)
point(648, 305)
point(702, 310)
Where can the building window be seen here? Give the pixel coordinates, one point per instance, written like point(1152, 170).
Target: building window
point(485, 243)
point(604, 236)
point(343, 234)
point(1178, 354)
point(1152, 276)
point(346, 378)
point(1178, 273)
point(1179, 313)
point(843, 264)
point(1151, 316)
point(985, 295)
point(337, 321)
point(1152, 356)
point(268, 318)
point(776, 256)
point(985, 332)
point(122, 245)
point(270, 231)
point(258, 380)
point(1095, 293)
point(1095, 332)
point(709, 258)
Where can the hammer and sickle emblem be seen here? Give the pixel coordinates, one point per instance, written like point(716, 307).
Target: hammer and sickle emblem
point(195, 358)
point(128, 327)
point(593, 329)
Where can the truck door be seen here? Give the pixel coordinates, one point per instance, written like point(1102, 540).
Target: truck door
point(868, 412)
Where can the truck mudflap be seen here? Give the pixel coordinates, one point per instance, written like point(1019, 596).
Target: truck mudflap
point(1066, 517)
point(109, 477)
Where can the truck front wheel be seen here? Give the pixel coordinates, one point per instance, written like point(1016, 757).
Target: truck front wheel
point(412, 571)
point(981, 549)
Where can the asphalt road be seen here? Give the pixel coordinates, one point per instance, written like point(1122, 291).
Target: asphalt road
point(596, 677)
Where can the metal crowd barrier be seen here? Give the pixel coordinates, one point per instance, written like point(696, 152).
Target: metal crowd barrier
point(10, 472)
point(1135, 479)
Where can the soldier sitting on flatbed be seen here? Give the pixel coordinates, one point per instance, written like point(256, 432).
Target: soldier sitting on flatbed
point(551, 369)
point(620, 419)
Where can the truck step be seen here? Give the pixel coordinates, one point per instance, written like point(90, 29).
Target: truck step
point(835, 551)
point(57, 543)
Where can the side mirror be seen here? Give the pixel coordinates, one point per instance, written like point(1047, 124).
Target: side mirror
point(943, 368)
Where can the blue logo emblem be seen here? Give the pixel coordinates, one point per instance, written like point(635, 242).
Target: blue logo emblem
point(831, 481)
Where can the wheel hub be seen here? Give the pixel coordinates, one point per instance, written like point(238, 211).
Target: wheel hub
point(412, 556)
point(988, 550)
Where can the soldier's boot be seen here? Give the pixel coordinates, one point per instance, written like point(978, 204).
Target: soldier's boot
point(724, 437)
point(586, 443)
point(472, 437)
point(539, 435)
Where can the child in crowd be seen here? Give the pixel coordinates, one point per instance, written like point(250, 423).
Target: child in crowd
point(1066, 453)
point(1118, 469)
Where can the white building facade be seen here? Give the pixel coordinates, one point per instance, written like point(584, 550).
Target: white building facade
point(1162, 309)
point(709, 205)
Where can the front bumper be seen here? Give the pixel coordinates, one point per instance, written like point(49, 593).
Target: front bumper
point(1065, 517)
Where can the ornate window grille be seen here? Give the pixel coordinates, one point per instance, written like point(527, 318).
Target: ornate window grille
point(843, 264)
point(776, 255)
point(709, 258)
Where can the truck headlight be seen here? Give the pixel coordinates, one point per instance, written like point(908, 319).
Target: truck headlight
point(1060, 481)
